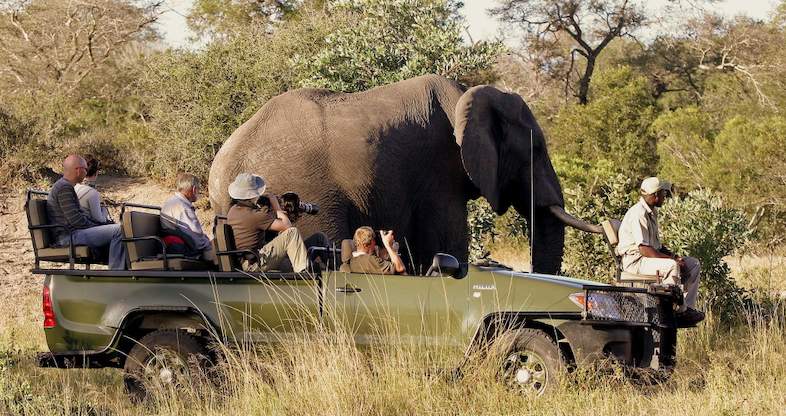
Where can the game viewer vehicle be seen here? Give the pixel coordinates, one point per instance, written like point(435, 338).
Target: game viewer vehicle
point(163, 304)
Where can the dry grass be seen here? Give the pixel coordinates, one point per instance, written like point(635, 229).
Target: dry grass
point(739, 370)
point(722, 370)
point(764, 274)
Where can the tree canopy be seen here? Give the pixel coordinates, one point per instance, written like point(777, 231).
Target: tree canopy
point(197, 98)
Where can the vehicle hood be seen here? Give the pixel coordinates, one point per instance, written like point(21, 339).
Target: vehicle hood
point(550, 278)
point(497, 288)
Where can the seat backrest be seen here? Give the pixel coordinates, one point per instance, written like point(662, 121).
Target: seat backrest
point(141, 224)
point(36, 215)
point(225, 241)
point(347, 247)
point(611, 229)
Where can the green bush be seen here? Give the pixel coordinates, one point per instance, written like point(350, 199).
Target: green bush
point(685, 140)
point(701, 225)
point(480, 220)
point(387, 42)
point(587, 255)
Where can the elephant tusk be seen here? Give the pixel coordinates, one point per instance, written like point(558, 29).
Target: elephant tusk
point(574, 222)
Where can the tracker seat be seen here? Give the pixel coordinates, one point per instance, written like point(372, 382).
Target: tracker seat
point(146, 250)
point(44, 245)
point(611, 230)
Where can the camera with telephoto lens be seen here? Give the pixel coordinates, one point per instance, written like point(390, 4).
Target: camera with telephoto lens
point(291, 204)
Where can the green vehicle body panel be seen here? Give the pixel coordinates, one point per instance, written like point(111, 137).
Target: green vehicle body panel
point(93, 308)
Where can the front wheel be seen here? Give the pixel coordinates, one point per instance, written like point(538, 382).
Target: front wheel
point(162, 360)
point(531, 361)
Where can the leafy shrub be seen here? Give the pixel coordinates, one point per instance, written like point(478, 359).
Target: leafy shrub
point(389, 41)
point(489, 232)
point(587, 255)
point(480, 220)
point(685, 140)
point(702, 226)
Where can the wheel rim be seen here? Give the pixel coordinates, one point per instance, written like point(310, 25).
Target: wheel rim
point(165, 368)
point(526, 371)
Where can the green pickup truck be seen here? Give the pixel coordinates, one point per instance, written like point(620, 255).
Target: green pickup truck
point(124, 319)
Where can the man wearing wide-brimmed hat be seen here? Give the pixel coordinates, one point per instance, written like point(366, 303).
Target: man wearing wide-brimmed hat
point(249, 222)
point(642, 252)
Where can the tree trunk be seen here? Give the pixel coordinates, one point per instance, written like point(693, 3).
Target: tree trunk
point(584, 82)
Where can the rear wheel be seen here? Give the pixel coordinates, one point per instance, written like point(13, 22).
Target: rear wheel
point(163, 360)
point(531, 362)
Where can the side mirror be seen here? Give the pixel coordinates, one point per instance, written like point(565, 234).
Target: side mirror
point(445, 265)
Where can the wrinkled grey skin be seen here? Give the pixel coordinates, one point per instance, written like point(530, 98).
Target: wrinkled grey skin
point(406, 156)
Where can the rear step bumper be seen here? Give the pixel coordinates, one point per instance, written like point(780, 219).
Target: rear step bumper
point(67, 360)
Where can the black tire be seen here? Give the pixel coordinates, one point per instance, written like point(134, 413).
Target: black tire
point(166, 357)
point(532, 363)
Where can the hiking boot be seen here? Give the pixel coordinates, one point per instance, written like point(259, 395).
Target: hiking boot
point(690, 317)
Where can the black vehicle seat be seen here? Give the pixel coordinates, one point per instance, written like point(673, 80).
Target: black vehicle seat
point(146, 249)
point(611, 230)
point(226, 251)
point(225, 241)
point(44, 245)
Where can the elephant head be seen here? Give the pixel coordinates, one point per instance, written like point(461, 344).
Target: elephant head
point(504, 153)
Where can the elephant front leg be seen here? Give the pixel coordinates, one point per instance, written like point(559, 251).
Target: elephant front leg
point(438, 230)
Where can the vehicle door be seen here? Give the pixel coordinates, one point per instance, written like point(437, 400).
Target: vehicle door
point(268, 307)
point(396, 308)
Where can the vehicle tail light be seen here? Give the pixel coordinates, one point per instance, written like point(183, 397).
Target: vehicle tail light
point(49, 312)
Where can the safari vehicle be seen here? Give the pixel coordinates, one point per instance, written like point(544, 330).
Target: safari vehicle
point(124, 319)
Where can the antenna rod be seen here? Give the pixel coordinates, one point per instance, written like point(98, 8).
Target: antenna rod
point(531, 202)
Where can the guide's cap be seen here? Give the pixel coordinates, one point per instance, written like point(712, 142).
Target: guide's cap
point(652, 184)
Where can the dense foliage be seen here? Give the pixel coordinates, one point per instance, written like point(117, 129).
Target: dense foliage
point(393, 41)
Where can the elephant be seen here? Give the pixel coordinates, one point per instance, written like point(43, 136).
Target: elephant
point(406, 156)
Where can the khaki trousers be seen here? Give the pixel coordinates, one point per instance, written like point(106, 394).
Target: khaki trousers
point(286, 252)
point(688, 278)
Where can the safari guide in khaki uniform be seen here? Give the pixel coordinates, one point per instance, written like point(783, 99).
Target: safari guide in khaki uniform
point(642, 252)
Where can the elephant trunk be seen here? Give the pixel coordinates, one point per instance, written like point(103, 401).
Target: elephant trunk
point(548, 236)
point(574, 222)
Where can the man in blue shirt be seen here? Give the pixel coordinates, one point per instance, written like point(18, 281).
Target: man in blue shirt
point(178, 217)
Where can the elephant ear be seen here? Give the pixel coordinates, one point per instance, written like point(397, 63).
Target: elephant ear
point(482, 115)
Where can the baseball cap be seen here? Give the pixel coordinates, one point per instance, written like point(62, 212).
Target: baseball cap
point(652, 184)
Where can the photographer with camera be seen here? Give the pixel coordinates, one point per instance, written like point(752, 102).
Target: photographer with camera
point(366, 260)
point(250, 221)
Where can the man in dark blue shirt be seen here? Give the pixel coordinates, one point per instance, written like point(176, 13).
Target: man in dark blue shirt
point(62, 206)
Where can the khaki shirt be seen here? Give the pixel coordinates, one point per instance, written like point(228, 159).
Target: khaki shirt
point(249, 225)
point(370, 264)
point(639, 227)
